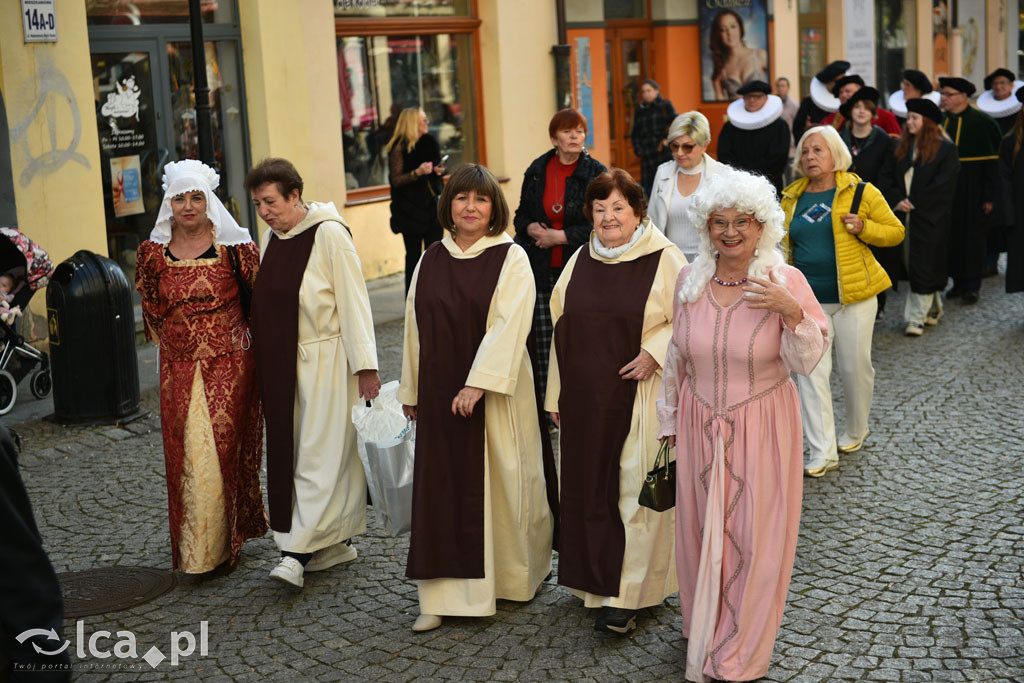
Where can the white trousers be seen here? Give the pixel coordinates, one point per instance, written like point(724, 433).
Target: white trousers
point(918, 306)
point(849, 329)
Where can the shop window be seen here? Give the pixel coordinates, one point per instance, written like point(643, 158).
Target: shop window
point(389, 64)
point(813, 46)
point(138, 12)
point(401, 8)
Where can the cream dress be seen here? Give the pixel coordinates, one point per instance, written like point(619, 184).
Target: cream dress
point(336, 340)
point(518, 525)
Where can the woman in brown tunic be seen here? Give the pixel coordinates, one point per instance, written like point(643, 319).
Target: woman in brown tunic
point(481, 525)
point(612, 309)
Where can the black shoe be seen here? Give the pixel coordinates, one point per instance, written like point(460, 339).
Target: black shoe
point(970, 298)
point(615, 620)
point(955, 292)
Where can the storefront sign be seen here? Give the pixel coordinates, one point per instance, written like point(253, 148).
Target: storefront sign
point(584, 91)
point(733, 46)
point(39, 21)
point(126, 182)
point(860, 39)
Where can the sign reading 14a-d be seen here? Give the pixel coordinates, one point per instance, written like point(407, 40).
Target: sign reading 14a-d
point(39, 21)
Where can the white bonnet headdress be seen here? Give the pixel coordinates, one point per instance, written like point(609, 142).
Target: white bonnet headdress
point(190, 175)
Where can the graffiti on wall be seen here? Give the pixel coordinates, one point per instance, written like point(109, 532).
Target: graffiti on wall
point(52, 97)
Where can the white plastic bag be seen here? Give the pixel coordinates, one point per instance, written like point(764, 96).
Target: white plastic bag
point(387, 444)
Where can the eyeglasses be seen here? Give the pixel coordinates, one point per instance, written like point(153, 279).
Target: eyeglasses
point(741, 223)
point(684, 147)
point(951, 93)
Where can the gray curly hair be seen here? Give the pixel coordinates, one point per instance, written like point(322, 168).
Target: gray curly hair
point(747, 193)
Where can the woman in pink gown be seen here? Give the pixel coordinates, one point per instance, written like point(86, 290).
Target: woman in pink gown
point(743, 320)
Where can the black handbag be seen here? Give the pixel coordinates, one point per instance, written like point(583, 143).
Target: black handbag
point(659, 488)
point(244, 290)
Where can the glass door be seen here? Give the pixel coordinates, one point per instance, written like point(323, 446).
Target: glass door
point(133, 146)
point(626, 53)
point(145, 110)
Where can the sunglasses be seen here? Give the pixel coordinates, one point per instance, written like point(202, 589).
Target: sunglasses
point(685, 147)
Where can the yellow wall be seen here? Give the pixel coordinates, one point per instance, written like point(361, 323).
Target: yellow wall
point(55, 161)
point(291, 74)
point(518, 84)
point(785, 59)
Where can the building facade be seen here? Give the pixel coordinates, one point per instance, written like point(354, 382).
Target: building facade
point(93, 111)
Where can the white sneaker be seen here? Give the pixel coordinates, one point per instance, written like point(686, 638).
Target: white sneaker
point(331, 556)
point(933, 318)
point(288, 571)
point(914, 330)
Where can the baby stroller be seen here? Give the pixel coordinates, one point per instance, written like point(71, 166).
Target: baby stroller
point(30, 267)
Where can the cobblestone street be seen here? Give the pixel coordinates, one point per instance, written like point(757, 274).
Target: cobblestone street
point(908, 566)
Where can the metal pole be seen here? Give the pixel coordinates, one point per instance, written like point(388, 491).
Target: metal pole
point(204, 120)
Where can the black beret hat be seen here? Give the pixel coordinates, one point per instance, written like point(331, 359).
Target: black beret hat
point(1005, 73)
point(959, 84)
point(865, 93)
point(925, 108)
point(754, 86)
point(846, 80)
point(918, 80)
point(832, 71)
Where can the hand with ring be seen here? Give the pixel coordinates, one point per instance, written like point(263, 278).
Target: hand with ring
point(771, 296)
point(853, 223)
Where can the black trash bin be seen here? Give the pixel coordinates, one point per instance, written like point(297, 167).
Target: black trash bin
point(91, 325)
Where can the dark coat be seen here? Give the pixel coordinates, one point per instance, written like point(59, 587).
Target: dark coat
point(1011, 169)
point(650, 126)
point(928, 225)
point(764, 151)
point(875, 163)
point(531, 209)
point(807, 116)
point(977, 137)
point(414, 204)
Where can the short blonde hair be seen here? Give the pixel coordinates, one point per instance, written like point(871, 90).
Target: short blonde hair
point(841, 158)
point(692, 123)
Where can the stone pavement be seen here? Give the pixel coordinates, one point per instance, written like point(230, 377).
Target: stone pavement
point(908, 566)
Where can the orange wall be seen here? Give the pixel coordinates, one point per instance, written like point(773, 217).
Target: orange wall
point(601, 149)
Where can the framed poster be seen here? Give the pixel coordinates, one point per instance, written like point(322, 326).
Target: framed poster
point(733, 46)
point(126, 178)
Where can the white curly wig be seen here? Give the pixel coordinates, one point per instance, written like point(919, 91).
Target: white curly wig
point(747, 193)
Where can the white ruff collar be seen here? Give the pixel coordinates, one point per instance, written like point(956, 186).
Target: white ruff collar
point(1000, 108)
point(822, 97)
point(615, 252)
point(190, 175)
point(746, 120)
point(898, 103)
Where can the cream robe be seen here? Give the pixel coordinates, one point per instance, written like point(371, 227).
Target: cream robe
point(336, 340)
point(648, 566)
point(518, 525)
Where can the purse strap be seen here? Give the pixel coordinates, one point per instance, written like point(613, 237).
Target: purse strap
point(662, 452)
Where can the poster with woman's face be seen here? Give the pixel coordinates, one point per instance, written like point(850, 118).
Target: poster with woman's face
point(733, 46)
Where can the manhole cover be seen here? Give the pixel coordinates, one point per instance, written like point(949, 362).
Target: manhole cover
point(111, 589)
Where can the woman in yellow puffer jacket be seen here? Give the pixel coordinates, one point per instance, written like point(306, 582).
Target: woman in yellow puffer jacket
point(829, 244)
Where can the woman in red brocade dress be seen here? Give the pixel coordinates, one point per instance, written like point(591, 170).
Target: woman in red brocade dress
point(209, 403)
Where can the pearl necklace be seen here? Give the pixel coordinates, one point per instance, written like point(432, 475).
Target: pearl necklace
point(728, 283)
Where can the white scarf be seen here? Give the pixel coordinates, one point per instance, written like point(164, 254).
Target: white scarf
point(616, 252)
point(190, 175)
